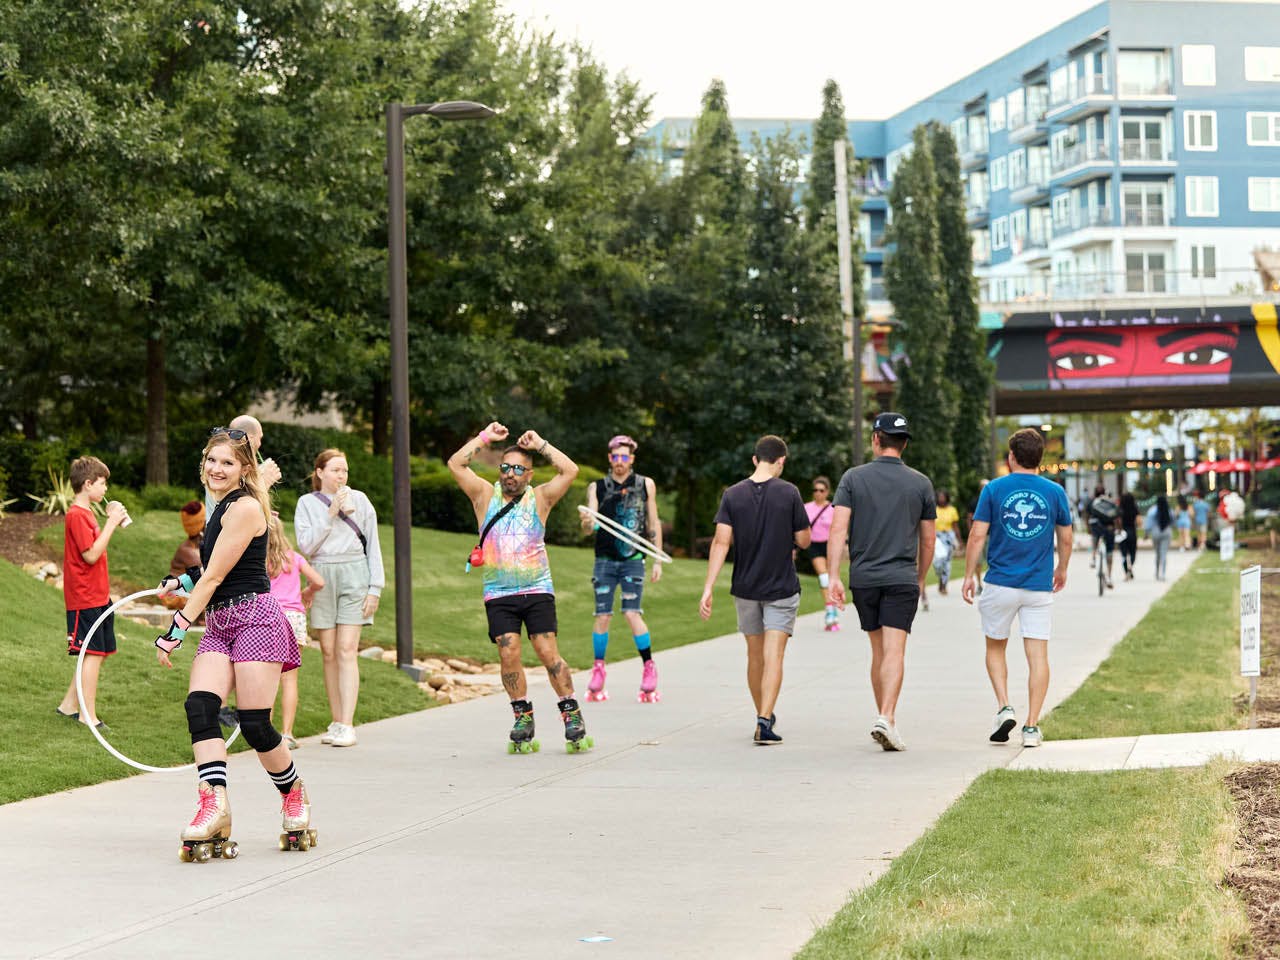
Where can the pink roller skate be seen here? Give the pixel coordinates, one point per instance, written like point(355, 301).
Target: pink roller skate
point(595, 686)
point(649, 684)
point(832, 621)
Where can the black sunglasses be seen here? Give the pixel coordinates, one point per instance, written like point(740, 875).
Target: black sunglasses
point(518, 469)
point(233, 434)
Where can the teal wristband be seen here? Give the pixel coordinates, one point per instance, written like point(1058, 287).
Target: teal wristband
point(186, 583)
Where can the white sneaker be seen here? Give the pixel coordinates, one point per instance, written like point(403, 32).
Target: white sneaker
point(886, 734)
point(1006, 719)
point(1031, 737)
point(345, 737)
point(331, 732)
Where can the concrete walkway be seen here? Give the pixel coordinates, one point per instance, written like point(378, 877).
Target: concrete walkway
point(1157, 750)
point(675, 837)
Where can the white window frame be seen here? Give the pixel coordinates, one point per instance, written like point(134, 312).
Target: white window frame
point(1274, 125)
point(1191, 121)
point(999, 174)
point(1266, 190)
point(996, 115)
point(1262, 64)
point(1201, 268)
point(1018, 230)
point(1199, 76)
point(1193, 187)
point(1000, 233)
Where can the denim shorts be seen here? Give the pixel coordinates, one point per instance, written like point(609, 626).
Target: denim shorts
point(608, 575)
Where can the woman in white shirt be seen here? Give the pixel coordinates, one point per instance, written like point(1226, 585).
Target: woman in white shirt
point(337, 530)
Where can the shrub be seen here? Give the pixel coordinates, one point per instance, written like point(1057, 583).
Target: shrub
point(133, 502)
point(170, 498)
point(58, 495)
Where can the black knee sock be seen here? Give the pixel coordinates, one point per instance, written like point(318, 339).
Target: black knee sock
point(285, 779)
point(646, 654)
point(213, 773)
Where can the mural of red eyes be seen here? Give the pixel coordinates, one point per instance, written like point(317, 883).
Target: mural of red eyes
point(1154, 354)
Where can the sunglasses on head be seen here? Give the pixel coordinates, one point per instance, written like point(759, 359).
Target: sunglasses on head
point(518, 469)
point(233, 434)
point(619, 457)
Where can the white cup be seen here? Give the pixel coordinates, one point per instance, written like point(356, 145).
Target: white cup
point(127, 519)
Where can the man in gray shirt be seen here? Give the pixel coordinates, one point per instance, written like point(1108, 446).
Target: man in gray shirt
point(886, 511)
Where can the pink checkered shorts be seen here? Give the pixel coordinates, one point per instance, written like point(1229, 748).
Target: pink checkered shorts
point(254, 629)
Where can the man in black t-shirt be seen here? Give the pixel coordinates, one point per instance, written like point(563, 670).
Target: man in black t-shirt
point(887, 511)
point(765, 518)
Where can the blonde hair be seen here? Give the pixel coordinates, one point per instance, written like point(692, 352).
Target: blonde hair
point(279, 549)
point(322, 461)
point(250, 479)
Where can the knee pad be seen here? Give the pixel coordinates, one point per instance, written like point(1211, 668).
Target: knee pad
point(824, 580)
point(258, 731)
point(202, 715)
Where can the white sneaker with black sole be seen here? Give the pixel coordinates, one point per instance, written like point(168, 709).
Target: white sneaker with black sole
point(886, 734)
point(1006, 720)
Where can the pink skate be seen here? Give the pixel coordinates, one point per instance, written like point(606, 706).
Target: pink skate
point(649, 684)
point(832, 622)
point(595, 686)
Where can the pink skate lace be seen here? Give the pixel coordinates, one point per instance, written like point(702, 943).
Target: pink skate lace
point(207, 810)
point(292, 803)
point(649, 681)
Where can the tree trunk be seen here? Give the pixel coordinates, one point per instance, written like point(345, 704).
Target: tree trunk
point(381, 418)
point(30, 430)
point(691, 525)
point(157, 423)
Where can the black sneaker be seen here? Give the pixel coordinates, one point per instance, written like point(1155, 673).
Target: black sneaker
point(764, 731)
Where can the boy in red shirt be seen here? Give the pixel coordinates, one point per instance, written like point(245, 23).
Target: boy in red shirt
point(84, 582)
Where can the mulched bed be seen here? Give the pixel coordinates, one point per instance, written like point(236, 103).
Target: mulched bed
point(18, 542)
point(1257, 878)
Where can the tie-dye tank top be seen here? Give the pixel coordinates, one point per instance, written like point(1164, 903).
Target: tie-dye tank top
point(515, 552)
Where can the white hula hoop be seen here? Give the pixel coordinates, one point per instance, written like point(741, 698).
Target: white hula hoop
point(80, 692)
point(629, 537)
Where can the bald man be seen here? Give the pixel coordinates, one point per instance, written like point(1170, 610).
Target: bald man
point(267, 469)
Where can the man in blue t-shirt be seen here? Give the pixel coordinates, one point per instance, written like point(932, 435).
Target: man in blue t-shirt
point(1021, 512)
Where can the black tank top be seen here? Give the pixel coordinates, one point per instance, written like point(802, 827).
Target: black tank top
point(626, 504)
point(249, 575)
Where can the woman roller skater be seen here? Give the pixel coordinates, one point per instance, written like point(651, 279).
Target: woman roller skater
point(247, 640)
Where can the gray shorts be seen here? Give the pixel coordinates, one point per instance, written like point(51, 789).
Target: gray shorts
point(341, 601)
point(757, 616)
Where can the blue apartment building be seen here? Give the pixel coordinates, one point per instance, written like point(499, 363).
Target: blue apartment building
point(1131, 152)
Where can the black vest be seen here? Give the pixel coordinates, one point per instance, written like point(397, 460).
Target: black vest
point(626, 504)
point(249, 575)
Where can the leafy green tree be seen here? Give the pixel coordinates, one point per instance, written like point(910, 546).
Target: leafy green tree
point(914, 283)
point(966, 360)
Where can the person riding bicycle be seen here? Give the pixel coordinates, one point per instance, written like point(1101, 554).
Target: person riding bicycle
point(1104, 516)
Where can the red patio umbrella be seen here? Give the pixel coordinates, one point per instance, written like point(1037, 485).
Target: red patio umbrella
point(1204, 466)
point(1240, 466)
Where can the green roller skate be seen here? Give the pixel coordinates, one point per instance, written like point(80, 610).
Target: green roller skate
point(522, 733)
point(575, 731)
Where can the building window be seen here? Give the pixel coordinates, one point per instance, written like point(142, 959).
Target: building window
point(1201, 128)
point(999, 174)
point(1198, 67)
point(1264, 194)
point(1016, 108)
point(995, 112)
point(1059, 85)
point(1143, 204)
point(1204, 261)
point(1018, 230)
point(1144, 73)
point(999, 233)
point(1262, 64)
point(1263, 129)
point(1202, 196)
point(1144, 271)
point(981, 246)
point(1142, 139)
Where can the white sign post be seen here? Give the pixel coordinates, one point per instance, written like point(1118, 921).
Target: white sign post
point(1251, 633)
point(1227, 543)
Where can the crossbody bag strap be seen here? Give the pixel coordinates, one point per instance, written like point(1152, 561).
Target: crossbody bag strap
point(346, 518)
point(494, 519)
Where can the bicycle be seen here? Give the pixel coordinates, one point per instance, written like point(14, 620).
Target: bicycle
point(1100, 561)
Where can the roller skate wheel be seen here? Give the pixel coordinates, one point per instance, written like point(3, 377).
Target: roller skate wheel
point(312, 835)
point(184, 854)
point(284, 841)
point(231, 851)
point(204, 852)
point(304, 842)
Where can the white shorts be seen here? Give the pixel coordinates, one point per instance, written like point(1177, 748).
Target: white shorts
point(298, 621)
point(999, 605)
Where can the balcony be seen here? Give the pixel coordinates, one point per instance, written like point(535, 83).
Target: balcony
point(1138, 287)
point(1083, 96)
point(1145, 89)
point(875, 290)
point(973, 151)
point(1080, 219)
point(1027, 186)
point(1028, 125)
point(1145, 152)
point(1150, 217)
point(1081, 161)
point(975, 209)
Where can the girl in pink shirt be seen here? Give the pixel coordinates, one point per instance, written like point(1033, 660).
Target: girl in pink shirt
point(285, 567)
point(818, 511)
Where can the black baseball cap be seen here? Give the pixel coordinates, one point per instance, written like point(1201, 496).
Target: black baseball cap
point(893, 424)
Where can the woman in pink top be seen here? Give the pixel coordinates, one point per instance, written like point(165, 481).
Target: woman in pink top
point(819, 512)
point(285, 567)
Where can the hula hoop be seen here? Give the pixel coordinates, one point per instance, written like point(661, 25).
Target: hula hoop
point(629, 537)
point(80, 692)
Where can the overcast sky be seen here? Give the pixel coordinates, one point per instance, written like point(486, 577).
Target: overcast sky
point(774, 56)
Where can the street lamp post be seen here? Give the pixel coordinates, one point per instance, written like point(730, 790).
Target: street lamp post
point(398, 287)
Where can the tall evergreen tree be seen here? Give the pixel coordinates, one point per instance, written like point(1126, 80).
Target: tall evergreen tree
point(914, 282)
point(966, 356)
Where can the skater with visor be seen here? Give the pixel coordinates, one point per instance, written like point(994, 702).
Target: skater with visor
point(247, 640)
point(511, 518)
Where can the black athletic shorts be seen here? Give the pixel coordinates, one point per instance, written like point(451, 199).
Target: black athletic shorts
point(891, 606)
point(816, 550)
point(1107, 531)
point(103, 643)
point(534, 611)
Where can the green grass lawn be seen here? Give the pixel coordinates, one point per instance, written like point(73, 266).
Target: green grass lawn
point(448, 611)
point(1177, 671)
point(41, 752)
point(1046, 866)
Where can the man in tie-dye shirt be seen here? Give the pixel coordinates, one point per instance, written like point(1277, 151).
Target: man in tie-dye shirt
point(518, 592)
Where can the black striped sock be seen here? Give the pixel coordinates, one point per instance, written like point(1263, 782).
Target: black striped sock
point(285, 779)
point(214, 774)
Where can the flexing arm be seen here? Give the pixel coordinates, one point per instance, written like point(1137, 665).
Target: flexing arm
point(655, 526)
point(477, 490)
point(973, 556)
point(715, 563)
point(550, 493)
point(837, 542)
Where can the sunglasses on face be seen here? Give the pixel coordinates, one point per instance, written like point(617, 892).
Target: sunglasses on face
point(516, 468)
point(236, 435)
point(619, 457)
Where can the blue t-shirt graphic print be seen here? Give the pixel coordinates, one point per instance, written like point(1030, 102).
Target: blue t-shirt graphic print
point(1023, 511)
